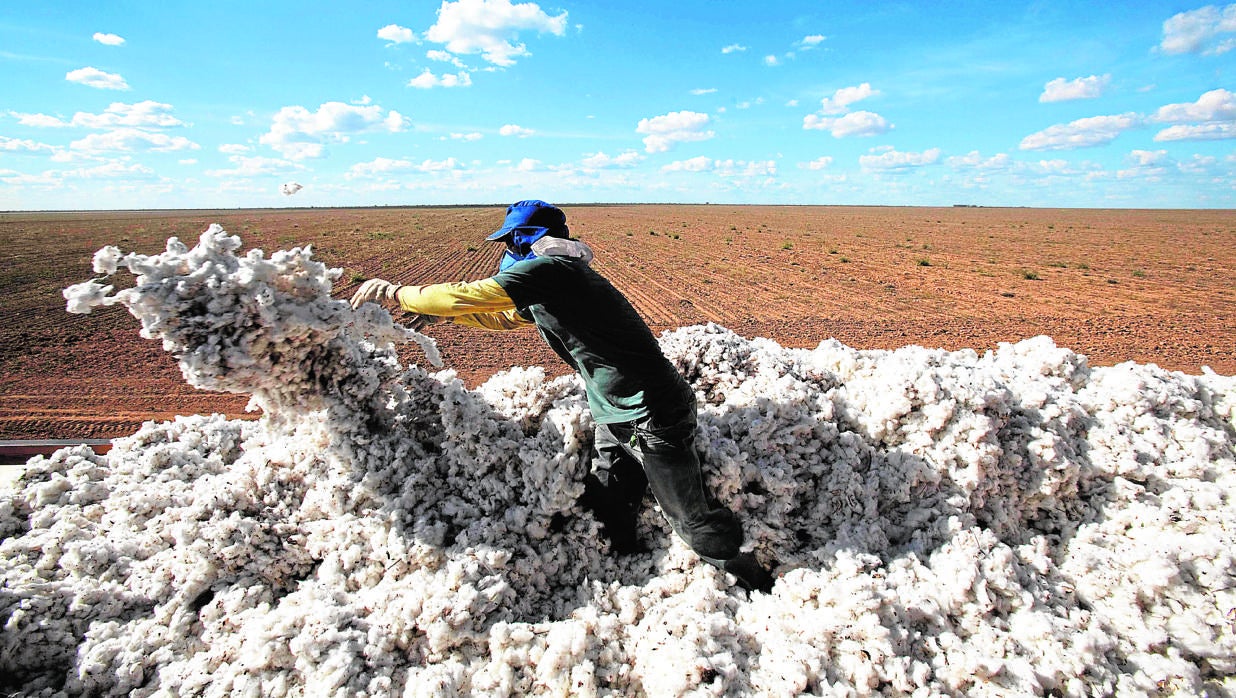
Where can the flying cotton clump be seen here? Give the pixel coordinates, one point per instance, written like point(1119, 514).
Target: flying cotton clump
point(290, 188)
point(945, 523)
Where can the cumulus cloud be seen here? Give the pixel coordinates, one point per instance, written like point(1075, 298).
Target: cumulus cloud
point(894, 161)
point(427, 80)
point(1082, 133)
point(811, 41)
point(467, 137)
point(975, 161)
point(699, 91)
point(131, 140)
point(1200, 31)
point(834, 115)
point(15, 145)
point(297, 133)
point(724, 168)
point(1215, 105)
point(516, 131)
point(818, 163)
point(388, 166)
point(745, 168)
point(841, 100)
point(93, 77)
point(733, 48)
point(38, 120)
point(233, 148)
point(1215, 131)
point(602, 161)
point(696, 164)
point(255, 167)
point(663, 132)
point(147, 114)
point(396, 34)
point(771, 60)
point(859, 123)
point(1061, 90)
point(108, 39)
point(491, 28)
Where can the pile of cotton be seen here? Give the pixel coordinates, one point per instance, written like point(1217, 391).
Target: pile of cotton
point(942, 523)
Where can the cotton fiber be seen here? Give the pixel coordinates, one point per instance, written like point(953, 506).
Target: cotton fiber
point(941, 523)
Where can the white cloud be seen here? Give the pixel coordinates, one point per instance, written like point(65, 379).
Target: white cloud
point(1215, 105)
point(975, 161)
point(1211, 117)
point(841, 100)
point(1060, 90)
point(893, 161)
point(147, 114)
point(696, 164)
point(811, 41)
point(110, 170)
point(491, 28)
point(427, 80)
point(298, 133)
point(662, 132)
point(1147, 158)
point(699, 91)
point(255, 167)
point(131, 140)
point(732, 48)
point(1196, 31)
point(601, 161)
point(514, 130)
point(93, 77)
point(467, 137)
point(108, 39)
point(14, 145)
point(818, 163)
point(290, 188)
point(444, 57)
point(1214, 131)
point(397, 34)
point(187, 161)
point(233, 148)
point(744, 168)
point(724, 168)
point(1082, 133)
point(387, 166)
point(771, 60)
point(529, 165)
point(38, 120)
point(859, 123)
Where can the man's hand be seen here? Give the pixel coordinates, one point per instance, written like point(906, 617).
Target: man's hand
point(376, 290)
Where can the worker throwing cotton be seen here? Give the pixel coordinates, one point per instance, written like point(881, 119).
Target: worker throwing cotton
point(644, 410)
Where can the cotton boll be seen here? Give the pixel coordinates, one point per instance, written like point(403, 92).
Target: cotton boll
point(945, 523)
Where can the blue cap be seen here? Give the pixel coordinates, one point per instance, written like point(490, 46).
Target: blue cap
point(532, 216)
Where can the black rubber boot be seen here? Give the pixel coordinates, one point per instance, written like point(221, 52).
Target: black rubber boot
point(751, 575)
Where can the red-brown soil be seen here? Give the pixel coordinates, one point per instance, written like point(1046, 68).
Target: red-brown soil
point(1115, 285)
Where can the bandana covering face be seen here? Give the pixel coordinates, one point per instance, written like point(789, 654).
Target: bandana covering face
point(519, 245)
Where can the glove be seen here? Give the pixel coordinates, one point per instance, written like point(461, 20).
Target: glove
point(374, 290)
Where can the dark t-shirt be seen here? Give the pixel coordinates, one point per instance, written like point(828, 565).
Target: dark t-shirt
point(593, 327)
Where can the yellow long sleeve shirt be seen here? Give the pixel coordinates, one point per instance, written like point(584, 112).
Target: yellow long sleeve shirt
point(482, 304)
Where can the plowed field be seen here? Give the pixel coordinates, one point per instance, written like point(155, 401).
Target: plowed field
point(1115, 285)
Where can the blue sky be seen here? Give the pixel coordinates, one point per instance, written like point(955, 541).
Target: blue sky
point(141, 104)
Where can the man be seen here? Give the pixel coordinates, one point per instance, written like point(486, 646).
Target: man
point(643, 409)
